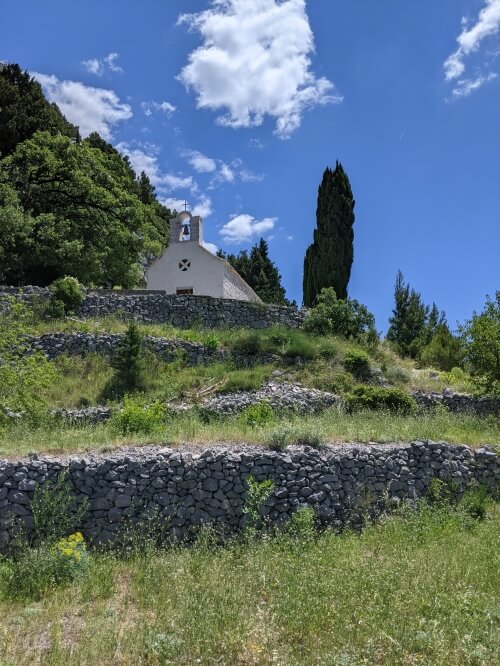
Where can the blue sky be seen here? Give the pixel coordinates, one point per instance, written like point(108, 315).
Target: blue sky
point(239, 105)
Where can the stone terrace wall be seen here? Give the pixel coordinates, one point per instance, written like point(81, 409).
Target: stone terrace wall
point(460, 402)
point(194, 487)
point(193, 353)
point(182, 311)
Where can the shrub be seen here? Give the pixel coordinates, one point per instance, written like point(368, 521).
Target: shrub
point(35, 571)
point(302, 524)
point(257, 415)
point(374, 397)
point(212, 342)
point(301, 346)
point(358, 364)
point(444, 351)
point(248, 342)
point(257, 495)
point(137, 418)
point(316, 440)
point(245, 380)
point(481, 338)
point(280, 437)
point(67, 296)
point(348, 319)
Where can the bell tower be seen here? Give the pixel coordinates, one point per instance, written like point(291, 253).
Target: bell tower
point(186, 229)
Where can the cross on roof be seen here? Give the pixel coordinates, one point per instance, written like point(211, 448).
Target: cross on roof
point(185, 204)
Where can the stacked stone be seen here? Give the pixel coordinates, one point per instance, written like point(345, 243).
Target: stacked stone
point(460, 402)
point(188, 488)
point(279, 395)
point(182, 311)
point(53, 345)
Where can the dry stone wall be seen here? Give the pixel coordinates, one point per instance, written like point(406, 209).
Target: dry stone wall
point(190, 487)
point(182, 311)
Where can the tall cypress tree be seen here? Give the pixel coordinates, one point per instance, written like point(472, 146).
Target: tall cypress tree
point(328, 260)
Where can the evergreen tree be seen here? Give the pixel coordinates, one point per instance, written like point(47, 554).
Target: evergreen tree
point(129, 364)
point(408, 324)
point(259, 272)
point(24, 110)
point(328, 260)
point(146, 190)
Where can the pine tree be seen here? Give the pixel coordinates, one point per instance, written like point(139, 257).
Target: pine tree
point(259, 272)
point(128, 363)
point(409, 319)
point(328, 260)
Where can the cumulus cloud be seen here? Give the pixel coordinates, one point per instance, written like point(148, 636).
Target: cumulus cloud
point(243, 228)
point(99, 66)
point(211, 247)
point(202, 207)
point(145, 158)
point(470, 41)
point(200, 163)
point(92, 109)
point(165, 107)
point(254, 62)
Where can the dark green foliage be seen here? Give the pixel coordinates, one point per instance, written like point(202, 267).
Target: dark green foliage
point(68, 207)
point(358, 364)
point(413, 324)
point(444, 351)
point(129, 364)
point(259, 272)
point(24, 110)
point(136, 418)
point(481, 338)
point(346, 318)
point(373, 397)
point(328, 260)
point(68, 292)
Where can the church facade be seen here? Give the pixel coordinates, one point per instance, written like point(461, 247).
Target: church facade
point(187, 267)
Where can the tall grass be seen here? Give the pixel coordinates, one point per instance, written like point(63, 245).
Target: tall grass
point(333, 426)
point(421, 588)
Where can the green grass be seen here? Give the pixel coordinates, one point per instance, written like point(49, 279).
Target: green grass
point(333, 426)
point(421, 589)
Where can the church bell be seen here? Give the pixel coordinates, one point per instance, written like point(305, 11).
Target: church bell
point(185, 230)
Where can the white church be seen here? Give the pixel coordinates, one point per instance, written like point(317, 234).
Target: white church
point(187, 267)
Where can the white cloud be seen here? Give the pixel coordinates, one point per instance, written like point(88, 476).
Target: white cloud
point(92, 109)
point(226, 173)
point(242, 228)
point(202, 207)
point(200, 163)
point(99, 66)
point(150, 107)
point(469, 41)
point(211, 247)
point(467, 86)
point(255, 61)
point(147, 161)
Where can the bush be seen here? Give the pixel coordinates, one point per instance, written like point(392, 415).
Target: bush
point(248, 342)
point(136, 418)
point(35, 571)
point(444, 351)
point(244, 380)
point(348, 319)
point(67, 296)
point(481, 338)
point(212, 342)
point(358, 364)
point(373, 397)
point(257, 415)
point(281, 437)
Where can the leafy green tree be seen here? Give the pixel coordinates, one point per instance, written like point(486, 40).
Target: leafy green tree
point(346, 318)
point(259, 272)
point(328, 260)
point(24, 110)
point(82, 219)
point(444, 350)
point(481, 337)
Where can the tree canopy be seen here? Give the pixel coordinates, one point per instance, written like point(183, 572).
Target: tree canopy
point(259, 272)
